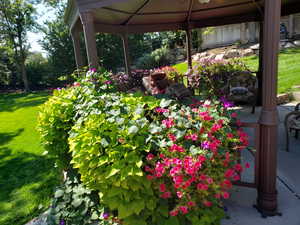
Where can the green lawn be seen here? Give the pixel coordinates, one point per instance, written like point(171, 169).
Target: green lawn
point(289, 68)
point(27, 178)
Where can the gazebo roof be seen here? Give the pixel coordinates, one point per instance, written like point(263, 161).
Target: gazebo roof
point(139, 16)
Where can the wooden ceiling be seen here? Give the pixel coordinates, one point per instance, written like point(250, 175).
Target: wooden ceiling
point(139, 16)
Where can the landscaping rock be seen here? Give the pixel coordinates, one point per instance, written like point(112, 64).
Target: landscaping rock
point(254, 47)
point(297, 43)
point(283, 98)
point(219, 57)
point(233, 53)
point(248, 52)
point(41, 220)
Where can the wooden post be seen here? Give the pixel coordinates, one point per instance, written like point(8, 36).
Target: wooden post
point(260, 67)
point(267, 193)
point(90, 38)
point(126, 53)
point(189, 48)
point(76, 45)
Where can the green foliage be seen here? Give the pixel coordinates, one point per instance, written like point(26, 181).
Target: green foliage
point(74, 204)
point(158, 58)
point(108, 149)
point(16, 19)
point(54, 123)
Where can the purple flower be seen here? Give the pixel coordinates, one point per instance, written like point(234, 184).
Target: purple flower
point(62, 222)
point(226, 103)
point(205, 145)
point(105, 216)
point(93, 70)
point(107, 82)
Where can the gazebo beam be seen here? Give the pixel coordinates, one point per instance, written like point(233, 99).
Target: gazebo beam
point(87, 20)
point(267, 193)
point(126, 53)
point(76, 45)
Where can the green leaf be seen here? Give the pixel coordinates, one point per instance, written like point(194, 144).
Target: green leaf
point(172, 221)
point(112, 172)
point(133, 130)
point(76, 202)
point(59, 193)
point(94, 216)
point(104, 142)
point(165, 103)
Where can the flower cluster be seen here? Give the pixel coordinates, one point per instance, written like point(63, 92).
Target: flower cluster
point(197, 160)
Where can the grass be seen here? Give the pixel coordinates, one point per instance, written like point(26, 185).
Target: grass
point(288, 73)
point(27, 178)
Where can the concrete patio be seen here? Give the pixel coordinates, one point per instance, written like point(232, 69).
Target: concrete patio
point(240, 205)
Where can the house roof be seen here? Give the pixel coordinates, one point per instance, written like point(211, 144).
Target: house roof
point(140, 16)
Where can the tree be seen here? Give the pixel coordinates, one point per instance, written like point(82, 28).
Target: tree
point(16, 19)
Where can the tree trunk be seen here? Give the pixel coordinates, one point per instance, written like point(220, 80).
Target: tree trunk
point(24, 76)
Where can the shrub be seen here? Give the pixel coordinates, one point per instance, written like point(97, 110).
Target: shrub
point(57, 115)
point(158, 58)
point(55, 120)
point(152, 161)
point(211, 76)
point(74, 204)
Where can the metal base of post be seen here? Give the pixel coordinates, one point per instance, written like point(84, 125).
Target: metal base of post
point(266, 214)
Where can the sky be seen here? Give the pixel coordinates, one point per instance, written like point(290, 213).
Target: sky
point(44, 14)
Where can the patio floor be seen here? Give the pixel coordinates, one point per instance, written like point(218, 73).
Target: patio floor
point(239, 206)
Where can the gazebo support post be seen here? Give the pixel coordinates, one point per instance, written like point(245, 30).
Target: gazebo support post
point(189, 47)
point(126, 53)
point(267, 193)
point(260, 67)
point(90, 38)
point(76, 44)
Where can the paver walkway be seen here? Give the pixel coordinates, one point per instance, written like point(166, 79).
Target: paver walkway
point(240, 207)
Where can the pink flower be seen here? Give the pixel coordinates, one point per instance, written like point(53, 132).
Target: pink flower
point(172, 137)
point(225, 195)
point(203, 177)
point(229, 173)
point(201, 158)
point(203, 187)
point(108, 82)
point(207, 203)
point(179, 194)
point(236, 177)
point(209, 180)
point(174, 213)
point(93, 70)
point(184, 210)
point(191, 204)
point(161, 110)
point(150, 156)
point(247, 165)
point(177, 148)
point(234, 115)
point(230, 135)
point(166, 195)
point(162, 188)
point(150, 177)
point(218, 196)
point(238, 167)
point(194, 137)
point(168, 123)
point(76, 84)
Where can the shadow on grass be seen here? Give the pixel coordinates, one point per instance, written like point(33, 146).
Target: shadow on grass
point(24, 170)
point(7, 137)
point(12, 102)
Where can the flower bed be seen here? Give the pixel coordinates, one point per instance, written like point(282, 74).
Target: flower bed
point(152, 161)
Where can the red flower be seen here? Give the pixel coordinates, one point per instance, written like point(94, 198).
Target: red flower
point(150, 156)
point(174, 213)
point(183, 209)
point(162, 188)
point(207, 203)
point(225, 195)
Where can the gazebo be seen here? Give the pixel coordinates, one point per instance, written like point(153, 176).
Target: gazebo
point(124, 17)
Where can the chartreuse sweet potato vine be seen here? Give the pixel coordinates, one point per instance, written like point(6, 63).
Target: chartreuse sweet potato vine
point(152, 161)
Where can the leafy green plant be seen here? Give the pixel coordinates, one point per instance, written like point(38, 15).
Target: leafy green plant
point(55, 120)
point(74, 204)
